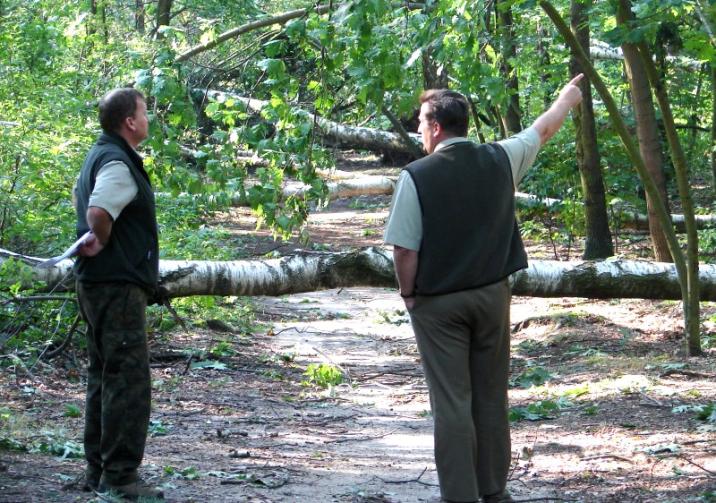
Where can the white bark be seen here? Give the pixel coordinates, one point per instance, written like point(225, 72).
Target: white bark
point(604, 51)
point(334, 132)
point(305, 272)
point(630, 219)
point(350, 187)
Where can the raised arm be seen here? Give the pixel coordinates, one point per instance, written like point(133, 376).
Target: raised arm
point(550, 121)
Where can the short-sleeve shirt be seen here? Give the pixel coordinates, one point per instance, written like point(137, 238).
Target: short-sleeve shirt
point(114, 188)
point(405, 227)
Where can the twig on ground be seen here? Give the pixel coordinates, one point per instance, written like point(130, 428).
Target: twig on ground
point(602, 456)
point(406, 481)
point(689, 373)
point(345, 371)
point(358, 439)
point(713, 474)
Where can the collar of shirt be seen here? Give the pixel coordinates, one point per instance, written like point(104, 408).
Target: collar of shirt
point(450, 141)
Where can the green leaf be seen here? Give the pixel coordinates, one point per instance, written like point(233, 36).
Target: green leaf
point(273, 67)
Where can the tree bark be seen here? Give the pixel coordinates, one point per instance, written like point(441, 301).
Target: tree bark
point(254, 25)
point(603, 51)
point(306, 272)
point(371, 185)
point(598, 239)
point(545, 62)
point(139, 19)
point(334, 132)
point(648, 134)
point(713, 127)
point(433, 77)
point(513, 117)
point(692, 309)
point(631, 147)
point(164, 14)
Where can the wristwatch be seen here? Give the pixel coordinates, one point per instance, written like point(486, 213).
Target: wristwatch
point(409, 296)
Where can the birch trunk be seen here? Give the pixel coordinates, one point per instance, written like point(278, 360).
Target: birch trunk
point(306, 272)
point(336, 133)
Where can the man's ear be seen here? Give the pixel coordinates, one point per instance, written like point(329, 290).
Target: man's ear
point(129, 123)
point(436, 128)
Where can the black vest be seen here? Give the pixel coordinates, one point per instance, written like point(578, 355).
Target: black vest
point(470, 234)
point(132, 253)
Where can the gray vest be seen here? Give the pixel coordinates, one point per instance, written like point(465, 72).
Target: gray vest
point(470, 233)
point(132, 253)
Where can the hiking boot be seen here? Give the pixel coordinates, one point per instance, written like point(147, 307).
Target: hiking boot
point(133, 490)
point(503, 497)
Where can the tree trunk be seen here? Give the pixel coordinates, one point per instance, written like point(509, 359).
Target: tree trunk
point(282, 18)
point(371, 185)
point(648, 134)
point(304, 272)
point(713, 127)
point(603, 51)
point(598, 239)
point(513, 116)
point(336, 133)
point(139, 20)
point(627, 218)
point(164, 10)
point(631, 148)
point(545, 62)
point(433, 77)
point(692, 309)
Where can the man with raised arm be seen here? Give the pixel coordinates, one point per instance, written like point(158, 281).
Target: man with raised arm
point(116, 274)
point(455, 242)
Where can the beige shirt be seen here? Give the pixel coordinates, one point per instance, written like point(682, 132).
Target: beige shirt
point(405, 226)
point(114, 188)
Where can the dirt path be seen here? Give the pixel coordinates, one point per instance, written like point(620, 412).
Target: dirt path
point(605, 407)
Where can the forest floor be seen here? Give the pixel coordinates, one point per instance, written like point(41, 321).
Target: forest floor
point(605, 401)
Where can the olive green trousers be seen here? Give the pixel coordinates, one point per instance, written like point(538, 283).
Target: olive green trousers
point(464, 343)
point(118, 380)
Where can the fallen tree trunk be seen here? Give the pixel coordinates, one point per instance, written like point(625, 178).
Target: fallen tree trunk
point(630, 219)
point(335, 132)
point(350, 187)
point(305, 272)
point(604, 51)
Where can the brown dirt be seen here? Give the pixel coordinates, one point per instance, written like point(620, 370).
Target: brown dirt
point(250, 432)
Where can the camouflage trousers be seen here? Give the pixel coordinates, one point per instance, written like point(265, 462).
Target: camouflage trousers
point(118, 380)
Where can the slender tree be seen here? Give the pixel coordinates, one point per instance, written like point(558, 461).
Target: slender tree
point(687, 282)
point(513, 116)
point(545, 61)
point(647, 133)
point(139, 20)
point(598, 240)
point(164, 10)
point(713, 126)
point(692, 306)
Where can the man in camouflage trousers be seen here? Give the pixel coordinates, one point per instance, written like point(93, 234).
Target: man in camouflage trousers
point(116, 274)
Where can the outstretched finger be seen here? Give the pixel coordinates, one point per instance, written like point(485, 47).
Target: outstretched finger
point(575, 81)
